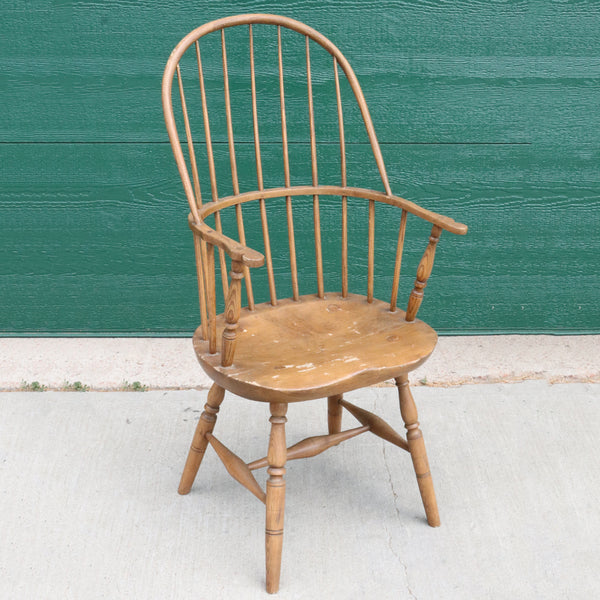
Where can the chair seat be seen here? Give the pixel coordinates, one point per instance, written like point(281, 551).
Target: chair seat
point(317, 347)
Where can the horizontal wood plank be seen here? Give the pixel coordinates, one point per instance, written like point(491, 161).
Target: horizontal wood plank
point(432, 72)
point(94, 238)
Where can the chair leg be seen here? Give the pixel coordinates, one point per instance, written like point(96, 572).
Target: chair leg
point(416, 446)
point(275, 495)
point(205, 425)
point(334, 413)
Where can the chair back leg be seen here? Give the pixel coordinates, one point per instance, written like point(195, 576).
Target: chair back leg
point(334, 413)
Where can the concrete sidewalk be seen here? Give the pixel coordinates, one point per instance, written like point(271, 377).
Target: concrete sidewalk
point(163, 363)
point(89, 508)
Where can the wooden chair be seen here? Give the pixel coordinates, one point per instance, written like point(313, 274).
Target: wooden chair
point(320, 345)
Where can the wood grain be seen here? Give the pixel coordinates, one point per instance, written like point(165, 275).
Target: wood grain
point(334, 411)
point(318, 348)
point(275, 501)
point(416, 447)
point(236, 467)
point(489, 84)
point(375, 424)
point(205, 426)
point(312, 446)
point(75, 85)
point(232, 314)
point(423, 272)
point(101, 251)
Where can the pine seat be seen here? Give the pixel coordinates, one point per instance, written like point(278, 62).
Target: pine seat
point(318, 347)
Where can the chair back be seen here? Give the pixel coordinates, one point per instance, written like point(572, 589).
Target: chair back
point(290, 169)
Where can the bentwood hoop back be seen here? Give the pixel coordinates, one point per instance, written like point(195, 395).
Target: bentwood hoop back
point(306, 346)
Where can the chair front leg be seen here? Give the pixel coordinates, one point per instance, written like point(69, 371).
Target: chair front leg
point(276, 457)
point(206, 424)
point(416, 447)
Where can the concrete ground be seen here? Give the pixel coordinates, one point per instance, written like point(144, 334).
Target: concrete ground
point(162, 363)
point(89, 509)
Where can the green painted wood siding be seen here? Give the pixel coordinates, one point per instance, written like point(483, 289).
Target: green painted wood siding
point(486, 111)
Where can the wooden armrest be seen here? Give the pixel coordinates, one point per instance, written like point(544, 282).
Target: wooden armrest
point(442, 221)
point(335, 190)
point(236, 251)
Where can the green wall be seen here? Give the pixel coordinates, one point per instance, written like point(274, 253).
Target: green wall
point(486, 111)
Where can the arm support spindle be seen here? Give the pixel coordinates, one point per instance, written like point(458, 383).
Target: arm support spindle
point(232, 313)
point(423, 273)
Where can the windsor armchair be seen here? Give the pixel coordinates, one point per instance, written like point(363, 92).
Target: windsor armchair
point(307, 346)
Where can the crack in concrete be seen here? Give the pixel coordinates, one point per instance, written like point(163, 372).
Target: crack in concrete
point(389, 535)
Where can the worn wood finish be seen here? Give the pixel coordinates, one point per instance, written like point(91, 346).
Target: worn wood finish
point(416, 447)
point(307, 346)
point(276, 457)
point(317, 348)
point(205, 426)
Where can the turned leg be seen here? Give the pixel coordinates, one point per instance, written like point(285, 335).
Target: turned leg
point(276, 457)
point(416, 446)
point(334, 413)
point(205, 425)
